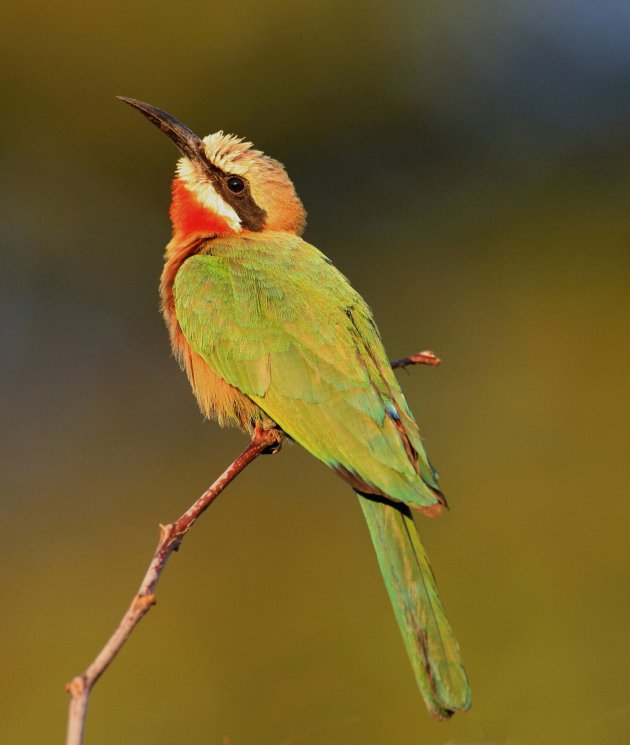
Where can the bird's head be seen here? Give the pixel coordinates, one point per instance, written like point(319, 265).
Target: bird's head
point(223, 185)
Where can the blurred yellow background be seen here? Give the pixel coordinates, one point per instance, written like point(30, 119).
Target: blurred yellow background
point(467, 165)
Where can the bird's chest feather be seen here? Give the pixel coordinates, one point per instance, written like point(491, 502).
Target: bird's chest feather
point(217, 399)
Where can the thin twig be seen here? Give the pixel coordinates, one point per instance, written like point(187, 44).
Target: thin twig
point(419, 358)
point(171, 537)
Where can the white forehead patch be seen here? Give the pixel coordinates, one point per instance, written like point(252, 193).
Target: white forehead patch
point(205, 193)
point(228, 152)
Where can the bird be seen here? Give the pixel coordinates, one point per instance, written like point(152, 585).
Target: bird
point(273, 337)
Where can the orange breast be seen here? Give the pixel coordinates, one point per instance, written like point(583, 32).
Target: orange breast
point(217, 399)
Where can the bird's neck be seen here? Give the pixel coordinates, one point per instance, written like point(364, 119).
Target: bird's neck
point(190, 218)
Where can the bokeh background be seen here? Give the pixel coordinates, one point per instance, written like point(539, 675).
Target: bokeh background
point(468, 166)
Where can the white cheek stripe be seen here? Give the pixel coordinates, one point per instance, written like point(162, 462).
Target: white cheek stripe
point(206, 194)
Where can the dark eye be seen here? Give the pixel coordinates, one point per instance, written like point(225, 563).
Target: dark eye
point(235, 184)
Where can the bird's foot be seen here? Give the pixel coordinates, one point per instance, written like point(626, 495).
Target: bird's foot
point(271, 438)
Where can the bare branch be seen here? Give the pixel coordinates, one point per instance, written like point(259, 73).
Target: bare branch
point(171, 536)
point(419, 358)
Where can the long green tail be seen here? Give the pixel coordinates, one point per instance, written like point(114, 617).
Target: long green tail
point(428, 636)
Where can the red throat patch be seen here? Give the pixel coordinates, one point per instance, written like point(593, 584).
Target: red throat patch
point(191, 218)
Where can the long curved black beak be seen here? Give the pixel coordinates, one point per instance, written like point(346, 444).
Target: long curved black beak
point(188, 143)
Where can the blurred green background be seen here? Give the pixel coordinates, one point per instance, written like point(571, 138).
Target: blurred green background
point(467, 165)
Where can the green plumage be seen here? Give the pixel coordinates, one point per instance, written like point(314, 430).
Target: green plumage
point(272, 317)
point(426, 631)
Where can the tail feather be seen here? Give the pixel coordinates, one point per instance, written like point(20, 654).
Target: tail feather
point(428, 636)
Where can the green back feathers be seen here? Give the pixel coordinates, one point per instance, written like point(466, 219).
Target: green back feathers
point(275, 319)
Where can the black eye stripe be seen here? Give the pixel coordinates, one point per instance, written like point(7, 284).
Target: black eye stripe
point(252, 216)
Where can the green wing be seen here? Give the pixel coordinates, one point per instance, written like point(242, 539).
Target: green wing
point(276, 320)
